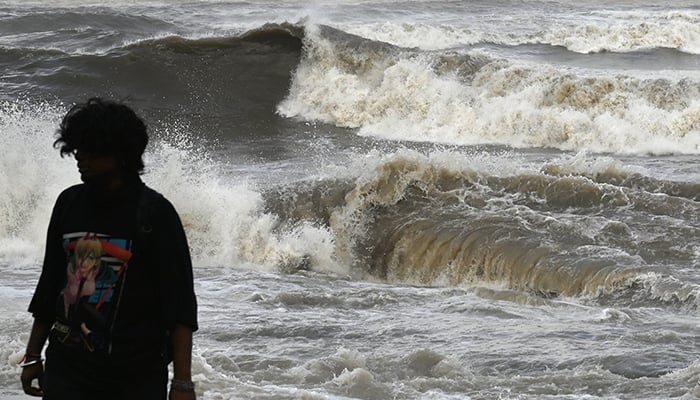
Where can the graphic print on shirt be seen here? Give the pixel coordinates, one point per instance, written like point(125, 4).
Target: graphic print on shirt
point(95, 265)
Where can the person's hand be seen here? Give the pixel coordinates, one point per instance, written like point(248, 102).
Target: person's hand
point(29, 374)
point(179, 395)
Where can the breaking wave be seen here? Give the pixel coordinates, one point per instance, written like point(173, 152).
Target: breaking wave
point(442, 220)
point(465, 99)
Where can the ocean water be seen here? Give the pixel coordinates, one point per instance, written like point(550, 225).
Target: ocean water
point(390, 199)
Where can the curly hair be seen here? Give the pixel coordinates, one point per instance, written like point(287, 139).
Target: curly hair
point(104, 127)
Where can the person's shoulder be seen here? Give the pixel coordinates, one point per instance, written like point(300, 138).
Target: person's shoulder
point(158, 209)
point(153, 196)
point(155, 201)
point(70, 192)
point(74, 188)
point(151, 193)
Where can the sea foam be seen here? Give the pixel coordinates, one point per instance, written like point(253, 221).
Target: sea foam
point(399, 94)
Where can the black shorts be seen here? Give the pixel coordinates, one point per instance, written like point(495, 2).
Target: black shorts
point(82, 377)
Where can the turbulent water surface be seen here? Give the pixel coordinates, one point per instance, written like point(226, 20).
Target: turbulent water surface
point(390, 199)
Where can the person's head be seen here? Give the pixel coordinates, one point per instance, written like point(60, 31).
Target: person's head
point(106, 131)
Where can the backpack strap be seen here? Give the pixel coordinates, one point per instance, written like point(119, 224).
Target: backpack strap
point(146, 208)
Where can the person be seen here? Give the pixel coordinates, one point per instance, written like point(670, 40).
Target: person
point(115, 298)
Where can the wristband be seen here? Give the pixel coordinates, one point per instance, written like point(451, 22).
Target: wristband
point(181, 386)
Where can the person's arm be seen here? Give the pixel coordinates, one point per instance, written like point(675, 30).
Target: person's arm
point(38, 335)
point(179, 303)
point(35, 369)
point(43, 304)
point(182, 387)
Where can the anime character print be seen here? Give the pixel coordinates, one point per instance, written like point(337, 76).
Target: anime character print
point(94, 268)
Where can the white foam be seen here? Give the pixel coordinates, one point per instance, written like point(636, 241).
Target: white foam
point(224, 220)
point(31, 175)
point(615, 32)
point(681, 32)
point(405, 99)
point(421, 35)
point(585, 164)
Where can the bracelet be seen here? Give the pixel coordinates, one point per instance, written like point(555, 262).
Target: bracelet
point(26, 363)
point(181, 386)
point(25, 359)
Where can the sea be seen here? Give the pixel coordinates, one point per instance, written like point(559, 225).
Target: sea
point(389, 199)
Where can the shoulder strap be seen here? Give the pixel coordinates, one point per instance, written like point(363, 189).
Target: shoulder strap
point(144, 212)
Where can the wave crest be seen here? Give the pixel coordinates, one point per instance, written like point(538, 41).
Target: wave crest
point(399, 94)
point(443, 220)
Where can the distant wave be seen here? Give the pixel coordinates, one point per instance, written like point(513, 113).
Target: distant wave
point(682, 35)
point(318, 73)
point(83, 30)
point(211, 81)
point(675, 31)
point(277, 35)
point(382, 90)
point(446, 97)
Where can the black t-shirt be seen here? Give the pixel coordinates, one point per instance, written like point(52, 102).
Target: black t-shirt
point(117, 275)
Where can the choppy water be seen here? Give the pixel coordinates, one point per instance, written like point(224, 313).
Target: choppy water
point(391, 199)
